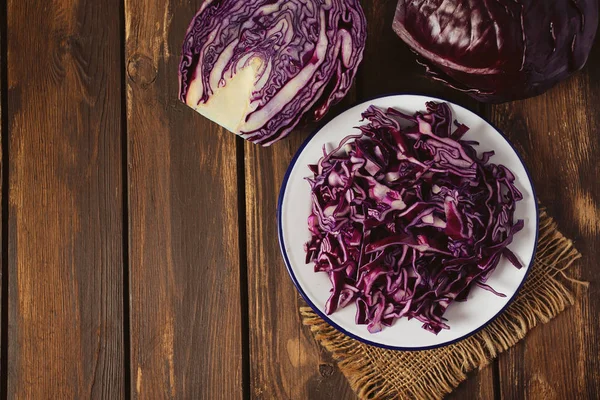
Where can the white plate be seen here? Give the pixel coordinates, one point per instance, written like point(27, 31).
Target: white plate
point(464, 318)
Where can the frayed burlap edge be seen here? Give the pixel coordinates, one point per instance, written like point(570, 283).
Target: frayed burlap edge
point(376, 373)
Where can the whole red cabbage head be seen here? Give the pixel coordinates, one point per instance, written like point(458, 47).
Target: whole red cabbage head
point(499, 50)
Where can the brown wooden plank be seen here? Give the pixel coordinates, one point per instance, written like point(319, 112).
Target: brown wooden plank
point(557, 133)
point(285, 361)
point(186, 332)
point(478, 386)
point(65, 256)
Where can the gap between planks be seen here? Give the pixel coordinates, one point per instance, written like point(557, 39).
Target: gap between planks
point(243, 266)
point(4, 200)
point(125, 198)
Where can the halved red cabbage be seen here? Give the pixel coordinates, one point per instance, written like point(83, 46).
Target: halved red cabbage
point(406, 221)
point(257, 66)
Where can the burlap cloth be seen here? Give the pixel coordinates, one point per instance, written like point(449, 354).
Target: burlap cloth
point(376, 373)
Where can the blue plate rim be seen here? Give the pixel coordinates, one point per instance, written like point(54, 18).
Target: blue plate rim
point(322, 314)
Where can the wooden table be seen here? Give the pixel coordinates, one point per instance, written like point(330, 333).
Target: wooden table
point(139, 247)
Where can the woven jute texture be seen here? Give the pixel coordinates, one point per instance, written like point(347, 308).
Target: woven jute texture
point(376, 373)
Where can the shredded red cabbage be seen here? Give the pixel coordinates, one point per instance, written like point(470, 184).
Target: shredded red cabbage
point(407, 220)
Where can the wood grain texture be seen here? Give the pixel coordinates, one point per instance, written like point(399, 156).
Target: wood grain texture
point(65, 254)
point(285, 360)
point(186, 332)
point(65, 257)
point(478, 386)
point(558, 135)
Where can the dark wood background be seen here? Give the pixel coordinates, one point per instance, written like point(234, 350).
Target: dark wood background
point(139, 247)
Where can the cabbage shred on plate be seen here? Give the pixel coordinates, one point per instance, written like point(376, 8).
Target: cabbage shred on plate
point(407, 220)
